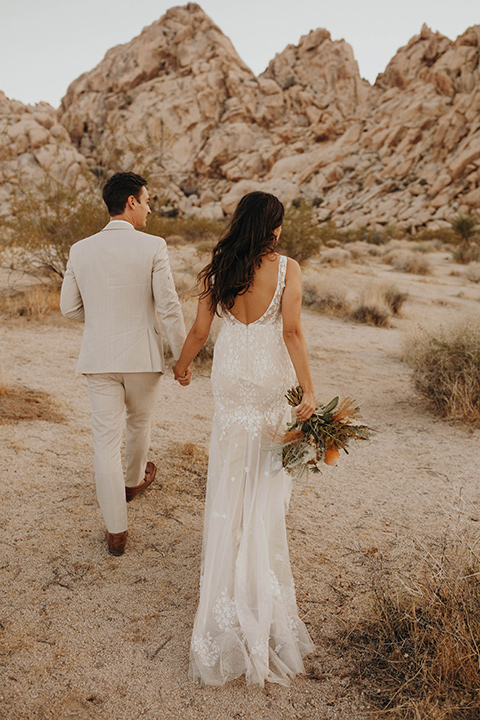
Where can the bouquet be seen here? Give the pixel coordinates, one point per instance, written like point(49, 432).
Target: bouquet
point(307, 444)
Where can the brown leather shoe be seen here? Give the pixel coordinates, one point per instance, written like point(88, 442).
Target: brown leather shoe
point(116, 542)
point(150, 472)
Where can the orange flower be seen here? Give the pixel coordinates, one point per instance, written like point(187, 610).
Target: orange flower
point(332, 456)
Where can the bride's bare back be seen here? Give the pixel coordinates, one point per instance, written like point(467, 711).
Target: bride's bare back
point(250, 306)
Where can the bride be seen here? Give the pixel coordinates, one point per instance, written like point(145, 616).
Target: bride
point(247, 619)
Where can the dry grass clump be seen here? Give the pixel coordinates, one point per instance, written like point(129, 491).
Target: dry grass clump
point(394, 298)
point(408, 261)
point(324, 295)
point(371, 308)
point(375, 251)
point(419, 654)
point(359, 250)
point(446, 369)
point(335, 256)
point(375, 305)
point(472, 272)
point(464, 255)
point(35, 302)
point(18, 403)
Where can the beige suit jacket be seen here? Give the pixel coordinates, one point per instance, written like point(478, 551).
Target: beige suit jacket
point(119, 283)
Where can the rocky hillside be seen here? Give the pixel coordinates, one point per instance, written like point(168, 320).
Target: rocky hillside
point(33, 144)
point(179, 104)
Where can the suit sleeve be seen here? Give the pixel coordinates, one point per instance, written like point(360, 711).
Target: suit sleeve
point(71, 303)
point(166, 299)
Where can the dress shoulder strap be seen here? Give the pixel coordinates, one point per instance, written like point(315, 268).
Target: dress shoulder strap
point(282, 270)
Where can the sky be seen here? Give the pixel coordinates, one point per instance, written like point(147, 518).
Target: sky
point(46, 44)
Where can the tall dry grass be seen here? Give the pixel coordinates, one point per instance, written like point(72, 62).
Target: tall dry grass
point(373, 305)
point(371, 308)
point(418, 653)
point(325, 295)
point(446, 368)
point(408, 261)
point(335, 257)
point(35, 302)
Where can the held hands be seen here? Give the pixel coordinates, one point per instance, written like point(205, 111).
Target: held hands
point(306, 408)
point(183, 378)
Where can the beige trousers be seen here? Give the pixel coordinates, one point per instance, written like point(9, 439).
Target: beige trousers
point(116, 397)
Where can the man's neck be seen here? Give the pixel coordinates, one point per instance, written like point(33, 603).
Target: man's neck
point(123, 218)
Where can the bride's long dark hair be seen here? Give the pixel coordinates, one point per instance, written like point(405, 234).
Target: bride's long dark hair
point(239, 252)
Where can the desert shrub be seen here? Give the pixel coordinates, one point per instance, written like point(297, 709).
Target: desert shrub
point(371, 308)
point(324, 295)
point(44, 223)
point(407, 261)
point(465, 229)
point(464, 254)
point(330, 235)
point(372, 236)
point(191, 229)
point(439, 236)
point(335, 256)
point(446, 369)
point(426, 246)
point(418, 653)
point(375, 251)
point(359, 250)
point(35, 302)
point(394, 298)
point(301, 234)
point(472, 272)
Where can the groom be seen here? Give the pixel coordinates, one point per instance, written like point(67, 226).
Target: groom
point(116, 282)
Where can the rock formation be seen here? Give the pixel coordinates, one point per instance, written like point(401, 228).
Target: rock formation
point(34, 144)
point(179, 104)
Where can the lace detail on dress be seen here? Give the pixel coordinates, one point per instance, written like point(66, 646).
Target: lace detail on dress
point(206, 648)
point(252, 369)
point(225, 611)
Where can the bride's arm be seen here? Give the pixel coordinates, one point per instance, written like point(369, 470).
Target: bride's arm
point(294, 338)
point(196, 338)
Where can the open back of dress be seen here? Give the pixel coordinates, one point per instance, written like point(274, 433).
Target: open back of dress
point(247, 619)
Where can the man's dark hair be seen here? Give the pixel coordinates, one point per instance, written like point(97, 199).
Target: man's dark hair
point(118, 189)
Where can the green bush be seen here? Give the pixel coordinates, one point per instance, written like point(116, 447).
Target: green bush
point(301, 234)
point(43, 225)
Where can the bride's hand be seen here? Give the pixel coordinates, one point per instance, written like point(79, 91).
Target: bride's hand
point(307, 406)
point(185, 378)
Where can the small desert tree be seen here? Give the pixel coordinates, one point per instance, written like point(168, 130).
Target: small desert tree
point(465, 228)
point(43, 224)
point(301, 235)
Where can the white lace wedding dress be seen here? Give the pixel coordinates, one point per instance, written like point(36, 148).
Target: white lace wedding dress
point(247, 619)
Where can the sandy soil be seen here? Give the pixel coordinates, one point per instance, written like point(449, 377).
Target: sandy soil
point(85, 635)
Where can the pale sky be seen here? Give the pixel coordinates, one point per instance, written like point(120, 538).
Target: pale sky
point(46, 44)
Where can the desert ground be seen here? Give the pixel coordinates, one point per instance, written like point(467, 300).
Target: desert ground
point(86, 635)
